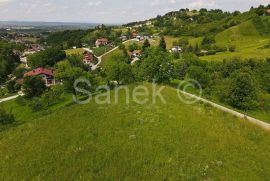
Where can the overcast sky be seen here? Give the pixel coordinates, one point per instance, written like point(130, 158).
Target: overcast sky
point(108, 11)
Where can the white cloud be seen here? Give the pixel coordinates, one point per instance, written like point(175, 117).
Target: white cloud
point(94, 3)
point(155, 3)
point(4, 2)
point(202, 4)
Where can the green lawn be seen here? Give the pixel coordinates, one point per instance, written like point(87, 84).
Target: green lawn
point(135, 142)
point(101, 50)
point(107, 59)
point(78, 51)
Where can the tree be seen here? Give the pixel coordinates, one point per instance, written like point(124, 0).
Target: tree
point(120, 72)
point(48, 57)
point(133, 47)
point(197, 73)
point(33, 86)
point(52, 96)
point(68, 74)
point(11, 86)
point(162, 44)
point(157, 66)
point(242, 92)
point(146, 45)
point(208, 40)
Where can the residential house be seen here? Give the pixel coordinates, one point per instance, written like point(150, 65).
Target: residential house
point(102, 41)
point(134, 35)
point(124, 38)
point(176, 49)
point(267, 12)
point(135, 56)
point(88, 58)
point(46, 74)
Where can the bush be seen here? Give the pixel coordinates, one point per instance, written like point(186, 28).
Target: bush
point(208, 40)
point(11, 86)
point(6, 118)
point(21, 101)
point(232, 48)
point(198, 74)
point(242, 92)
point(33, 86)
point(37, 104)
point(3, 92)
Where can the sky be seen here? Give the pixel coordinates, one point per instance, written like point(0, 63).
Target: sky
point(108, 11)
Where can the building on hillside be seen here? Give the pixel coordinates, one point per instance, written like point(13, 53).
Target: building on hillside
point(135, 56)
point(124, 38)
point(88, 58)
point(135, 53)
point(134, 35)
point(102, 41)
point(176, 49)
point(267, 12)
point(46, 74)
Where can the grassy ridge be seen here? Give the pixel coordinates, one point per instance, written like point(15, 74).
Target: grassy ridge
point(136, 142)
point(247, 39)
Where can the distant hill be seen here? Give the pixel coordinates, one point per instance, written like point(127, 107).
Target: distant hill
point(34, 24)
point(187, 22)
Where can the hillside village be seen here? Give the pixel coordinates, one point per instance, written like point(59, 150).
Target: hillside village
point(226, 53)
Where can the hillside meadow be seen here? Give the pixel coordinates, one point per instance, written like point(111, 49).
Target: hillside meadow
point(175, 141)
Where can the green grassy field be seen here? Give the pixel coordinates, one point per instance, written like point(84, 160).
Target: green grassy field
point(247, 40)
point(101, 50)
point(107, 59)
point(135, 142)
point(78, 51)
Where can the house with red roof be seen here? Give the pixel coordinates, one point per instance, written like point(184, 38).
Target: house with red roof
point(46, 74)
point(88, 58)
point(102, 41)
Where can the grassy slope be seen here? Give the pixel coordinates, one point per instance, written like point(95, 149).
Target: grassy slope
point(176, 141)
point(78, 51)
point(247, 40)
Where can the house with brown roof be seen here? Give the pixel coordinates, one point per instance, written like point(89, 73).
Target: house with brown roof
point(46, 74)
point(267, 12)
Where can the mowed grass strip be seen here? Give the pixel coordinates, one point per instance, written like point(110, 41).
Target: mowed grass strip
point(136, 142)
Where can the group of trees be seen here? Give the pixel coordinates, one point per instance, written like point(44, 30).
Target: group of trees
point(8, 60)
point(69, 38)
point(241, 84)
point(48, 57)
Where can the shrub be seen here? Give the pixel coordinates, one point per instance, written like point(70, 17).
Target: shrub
point(197, 73)
point(37, 104)
point(6, 118)
point(242, 92)
point(232, 48)
point(11, 86)
point(21, 101)
point(33, 86)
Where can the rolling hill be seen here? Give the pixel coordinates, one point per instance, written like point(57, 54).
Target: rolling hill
point(133, 142)
point(249, 38)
